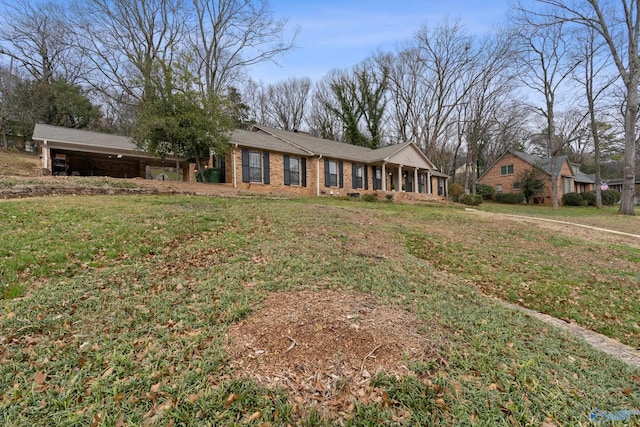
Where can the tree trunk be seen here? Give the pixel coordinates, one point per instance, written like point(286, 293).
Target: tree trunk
point(596, 145)
point(630, 117)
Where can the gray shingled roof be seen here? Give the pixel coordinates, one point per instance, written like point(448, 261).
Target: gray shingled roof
point(314, 145)
point(264, 141)
point(74, 136)
point(544, 164)
point(579, 176)
point(329, 148)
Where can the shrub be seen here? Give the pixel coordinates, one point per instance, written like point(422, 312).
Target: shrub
point(470, 199)
point(455, 191)
point(369, 197)
point(608, 198)
point(510, 198)
point(484, 190)
point(389, 198)
point(589, 197)
point(572, 199)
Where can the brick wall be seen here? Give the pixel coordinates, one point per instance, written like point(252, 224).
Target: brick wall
point(276, 177)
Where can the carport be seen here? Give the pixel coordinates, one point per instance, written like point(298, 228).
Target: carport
point(67, 151)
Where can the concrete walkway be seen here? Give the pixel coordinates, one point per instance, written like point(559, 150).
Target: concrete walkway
point(620, 351)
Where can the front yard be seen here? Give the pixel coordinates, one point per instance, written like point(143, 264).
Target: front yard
point(172, 310)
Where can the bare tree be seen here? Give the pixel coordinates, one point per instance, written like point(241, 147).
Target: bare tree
point(129, 42)
point(618, 25)
point(287, 102)
point(37, 35)
point(428, 79)
point(322, 122)
point(546, 65)
point(231, 35)
point(492, 88)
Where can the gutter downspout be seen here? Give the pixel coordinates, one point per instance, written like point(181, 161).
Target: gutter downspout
point(235, 172)
point(318, 175)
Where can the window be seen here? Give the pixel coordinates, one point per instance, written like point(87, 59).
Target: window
point(255, 166)
point(421, 183)
point(516, 186)
point(291, 171)
point(333, 173)
point(499, 188)
point(506, 170)
point(358, 174)
point(377, 178)
point(408, 182)
point(567, 184)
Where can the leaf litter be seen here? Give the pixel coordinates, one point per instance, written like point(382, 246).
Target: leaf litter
point(325, 347)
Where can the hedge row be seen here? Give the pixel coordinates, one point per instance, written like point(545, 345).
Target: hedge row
point(609, 197)
point(510, 198)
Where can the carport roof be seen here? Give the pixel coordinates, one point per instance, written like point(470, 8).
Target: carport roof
point(82, 137)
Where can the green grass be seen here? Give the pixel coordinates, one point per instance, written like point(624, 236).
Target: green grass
point(127, 302)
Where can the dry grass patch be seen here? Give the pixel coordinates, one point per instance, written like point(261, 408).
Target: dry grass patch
point(323, 347)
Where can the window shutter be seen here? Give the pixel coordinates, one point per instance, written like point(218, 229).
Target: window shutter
point(353, 175)
point(265, 159)
point(287, 178)
point(366, 177)
point(341, 174)
point(326, 173)
point(303, 171)
point(245, 165)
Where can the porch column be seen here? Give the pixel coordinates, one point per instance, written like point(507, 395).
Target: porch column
point(399, 186)
point(415, 180)
point(384, 176)
point(429, 183)
point(235, 172)
point(46, 155)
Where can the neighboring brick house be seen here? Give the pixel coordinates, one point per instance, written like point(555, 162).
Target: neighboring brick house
point(261, 159)
point(503, 175)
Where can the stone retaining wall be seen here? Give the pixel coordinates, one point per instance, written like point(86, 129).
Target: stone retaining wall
point(50, 190)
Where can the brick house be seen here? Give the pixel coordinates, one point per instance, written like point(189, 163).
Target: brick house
point(266, 158)
point(261, 159)
point(503, 174)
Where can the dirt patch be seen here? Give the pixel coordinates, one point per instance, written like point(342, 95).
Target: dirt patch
point(324, 347)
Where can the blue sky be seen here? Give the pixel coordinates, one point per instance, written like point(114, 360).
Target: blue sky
point(340, 33)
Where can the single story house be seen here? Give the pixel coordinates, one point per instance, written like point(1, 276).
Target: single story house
point(307, 165)
point(503, 175)
point(259, 159)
